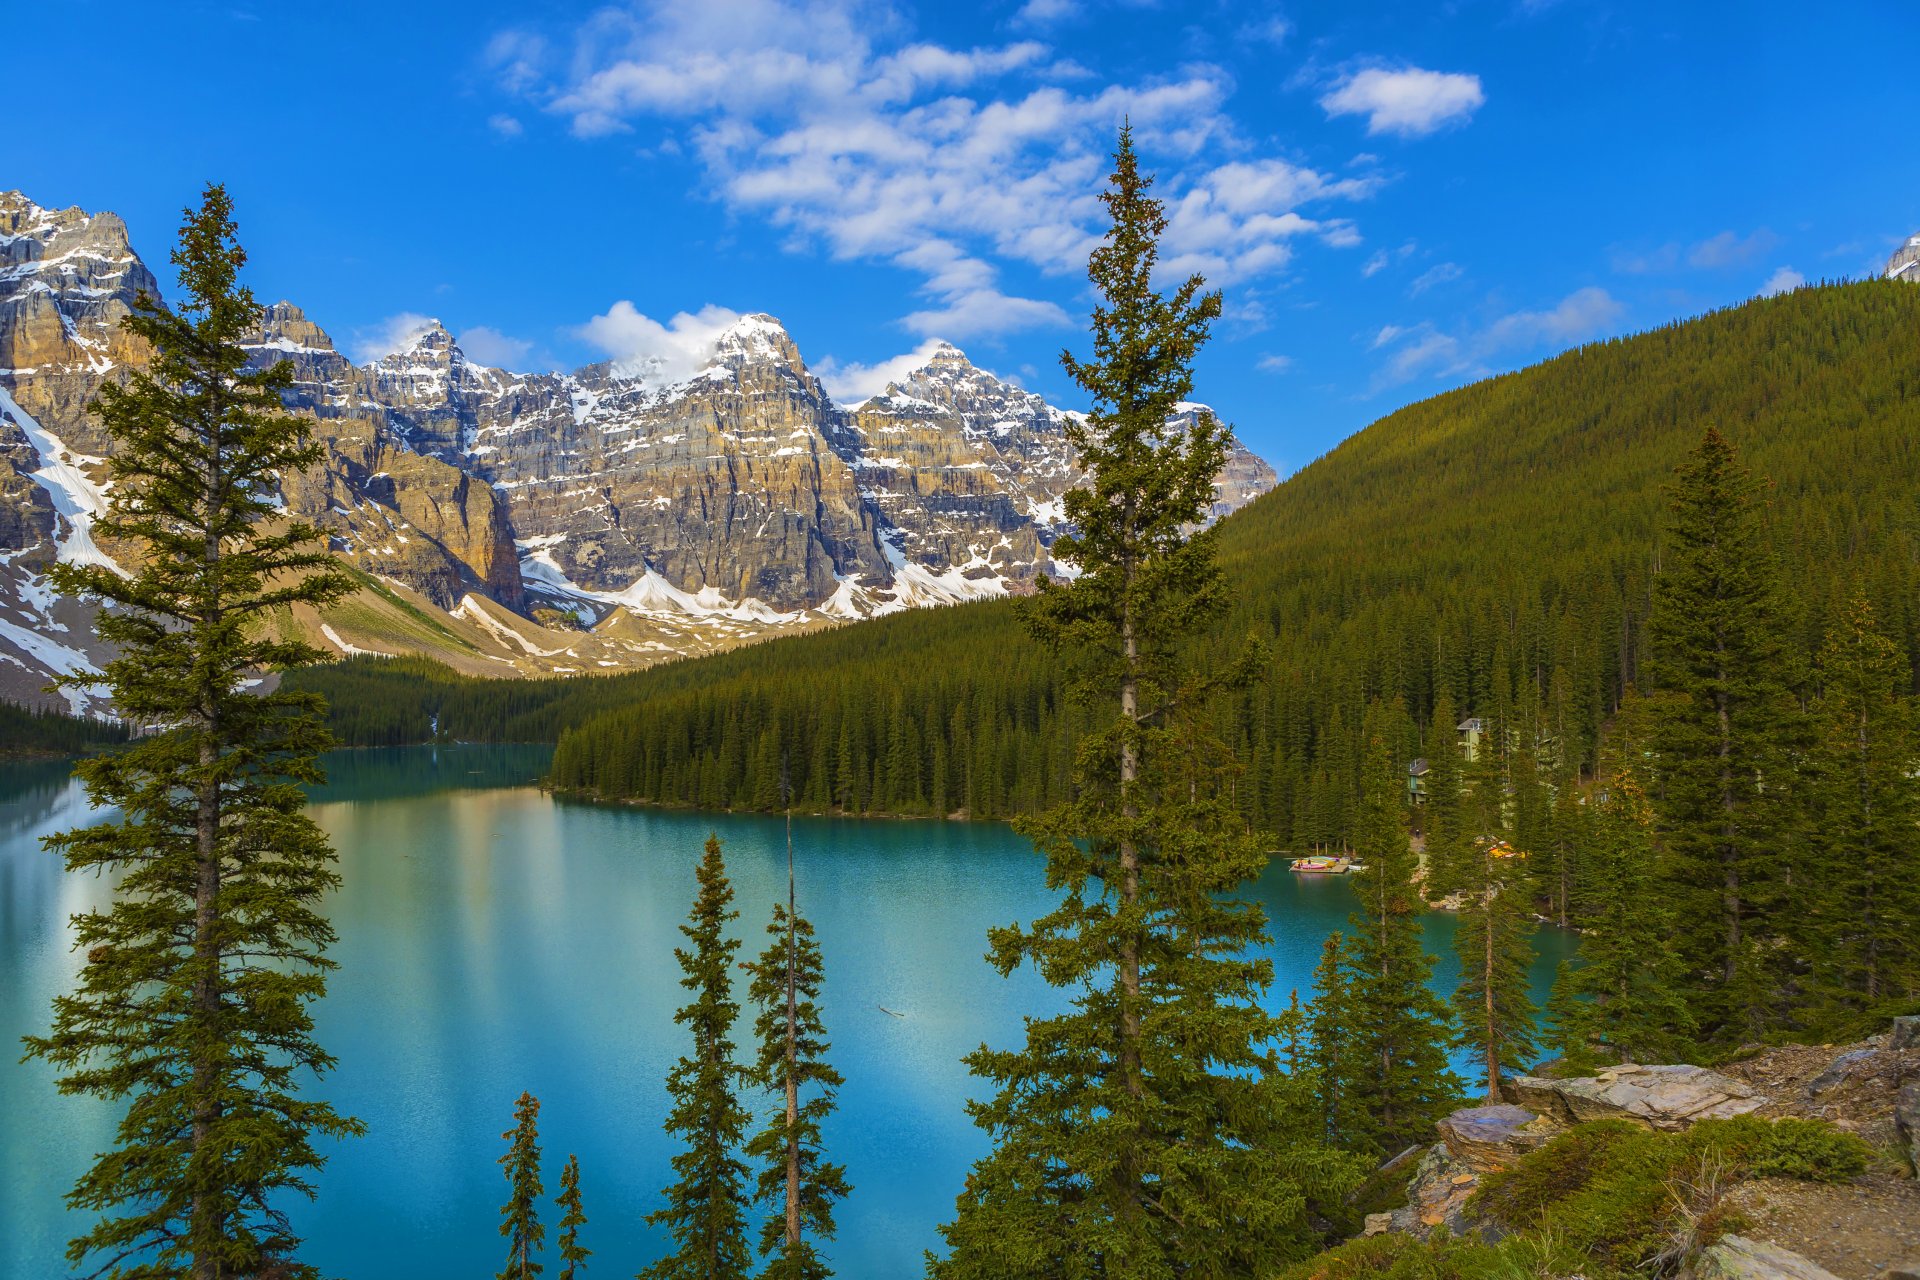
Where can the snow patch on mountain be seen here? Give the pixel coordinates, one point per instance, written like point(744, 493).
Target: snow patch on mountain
point(76, 498)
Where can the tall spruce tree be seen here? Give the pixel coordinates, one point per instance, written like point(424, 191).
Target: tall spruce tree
point(706, 1208)
point(192, 1003)
point(1129, 1133)
point(795, 1176)
point(1622, 999)
point(1860, 911)
point(1724, 731)
point(520, 1215)
point(1401, 1084)
point(1494, 939)
point(573, 1216)
point(1330, 1039)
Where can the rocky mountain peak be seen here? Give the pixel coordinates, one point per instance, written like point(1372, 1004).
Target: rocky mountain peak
point(1905, 263)
point(21, 217)
point(432, 340)
point(756, 338)
point(285, 327)
point(947, 356)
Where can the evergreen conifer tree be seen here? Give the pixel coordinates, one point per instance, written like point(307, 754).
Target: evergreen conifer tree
point(520, 1215)
point(1442, 816)
point(1722, 735)
point(1330, 1040)
point(792, 1063)
point(1401, 1083)
point(1129, 1133)
point(1623, 999)
point(193, 1001)
point(1861, 922)
point(706, 1207)
point(573, 1255)
point(1494, 939)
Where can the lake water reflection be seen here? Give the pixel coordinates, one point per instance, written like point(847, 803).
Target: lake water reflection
point(493, 940)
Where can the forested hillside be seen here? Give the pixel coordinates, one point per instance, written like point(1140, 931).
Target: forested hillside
point(34, 731)
point(1494, 545)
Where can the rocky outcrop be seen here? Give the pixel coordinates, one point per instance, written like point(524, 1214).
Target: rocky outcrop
point(1659, 1097)
point(1473, 1143)
point(1738, 1258)
point(1905, 262)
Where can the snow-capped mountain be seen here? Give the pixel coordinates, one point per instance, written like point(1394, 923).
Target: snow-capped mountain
point(604, 518)
point(1905, 263)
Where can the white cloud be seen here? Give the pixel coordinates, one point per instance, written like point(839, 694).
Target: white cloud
point(1384, 258)
point(851, 383)
point(1782, 280)
point(1721, 252)
point(1729, 250)
point(832, 125)
point(1042, 13)
point(1270, 30)
point(1582, 314)
point(1426, 351)
point(505, 125)
point(1409, 101)
point(661, 354)
point(487, 345)
point(1445, 273)
point(395, 333)
point(1271, 363)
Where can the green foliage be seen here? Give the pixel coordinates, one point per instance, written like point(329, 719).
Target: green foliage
point(1401, 1257)
point(192, 1005)
point(1144, 1133)
point(795, 1178)
point(1332, 1054)
point(37, 731)
point(573, 1254)
point(520, 1215)
point(1859, 916)
point(1723, 733)
point(1791, 1147)
point(1394, 1060)
point(706, 1207)
point(1610, 1198)
point(1492, 1004)
point(1623, 1000)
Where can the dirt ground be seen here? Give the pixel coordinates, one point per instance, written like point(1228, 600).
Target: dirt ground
point(1858, 1230)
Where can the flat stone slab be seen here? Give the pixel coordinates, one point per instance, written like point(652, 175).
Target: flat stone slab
point(1670, 1098)
point(1738, 1258)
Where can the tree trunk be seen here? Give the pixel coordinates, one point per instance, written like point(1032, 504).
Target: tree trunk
point(207, 1224)
point(792, 1082)
point(1128, 961)
point(1486, 981)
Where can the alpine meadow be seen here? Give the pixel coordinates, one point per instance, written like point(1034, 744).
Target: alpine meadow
point(1366, 725)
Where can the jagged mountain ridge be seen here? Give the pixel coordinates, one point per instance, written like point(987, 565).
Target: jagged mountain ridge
point(607, 517)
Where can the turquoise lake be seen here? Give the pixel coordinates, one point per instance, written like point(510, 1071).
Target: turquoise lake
point(494, 940)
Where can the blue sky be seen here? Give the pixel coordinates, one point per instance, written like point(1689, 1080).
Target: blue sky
point(1394, 198)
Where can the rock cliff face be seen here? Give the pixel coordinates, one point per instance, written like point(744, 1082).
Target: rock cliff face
point(1905, 263)
point(669, 516)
